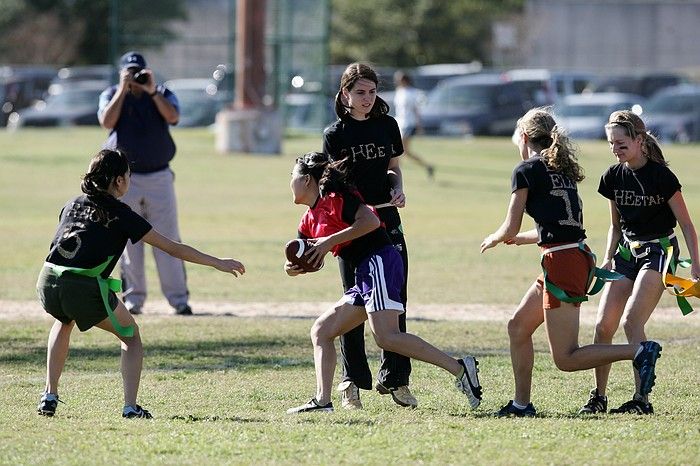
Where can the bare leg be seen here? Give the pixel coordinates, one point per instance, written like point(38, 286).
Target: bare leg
point(57, 353)
point(331, 324)
point(132, 353)
point(385, 328)
point(526, 319)
point(562, 329)
point(646, 294)
point(610, 309)
point(406, 142)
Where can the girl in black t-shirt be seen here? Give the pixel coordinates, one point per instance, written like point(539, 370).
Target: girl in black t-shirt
point(74, 284)
point(340, 222)
point(370, 140)
point(544, 185)
point(645, 203)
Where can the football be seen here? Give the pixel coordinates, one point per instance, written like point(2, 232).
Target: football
point(295, 250)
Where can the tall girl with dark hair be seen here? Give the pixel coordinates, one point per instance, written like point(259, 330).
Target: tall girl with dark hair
point(74, 285)
point(544, 185)
point(645, 203)
point(339, 221)
point(370, 140)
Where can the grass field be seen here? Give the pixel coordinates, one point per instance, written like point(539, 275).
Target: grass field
point(219, 385)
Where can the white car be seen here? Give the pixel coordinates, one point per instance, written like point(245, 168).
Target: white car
point(584, 116)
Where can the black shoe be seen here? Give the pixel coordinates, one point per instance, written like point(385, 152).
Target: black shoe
point(47, 404)
point(645, 363)
point(131, 412)
point(634, 407)
point(311, 406)
point(183, 310)
point(431, 171)
point(596, 404)
point(510, 410)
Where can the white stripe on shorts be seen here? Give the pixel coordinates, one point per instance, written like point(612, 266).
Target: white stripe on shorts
point(380, 296)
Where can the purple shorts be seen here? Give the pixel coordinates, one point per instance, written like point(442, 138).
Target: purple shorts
point(378, 282)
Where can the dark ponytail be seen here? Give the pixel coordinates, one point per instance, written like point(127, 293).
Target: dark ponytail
point(104, 169)
point(331, 177)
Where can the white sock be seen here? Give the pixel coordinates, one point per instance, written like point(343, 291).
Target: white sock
point(641, 348)
point(518, 405)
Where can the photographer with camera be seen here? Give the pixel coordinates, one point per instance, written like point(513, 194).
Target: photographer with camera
point(138, 113)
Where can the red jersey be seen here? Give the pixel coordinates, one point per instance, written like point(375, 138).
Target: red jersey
point(335, 212)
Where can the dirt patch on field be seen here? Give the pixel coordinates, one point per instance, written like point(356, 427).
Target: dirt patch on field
point(15, 310)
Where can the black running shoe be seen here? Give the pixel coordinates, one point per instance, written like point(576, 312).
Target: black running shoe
point(469, 382)
point(596, 404)
point(645, 363)
point(510, 410)
point(634, 407)
point(47, 404)
point(131, 412)
point(311, 406)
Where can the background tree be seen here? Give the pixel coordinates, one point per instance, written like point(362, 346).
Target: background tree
point(403, 33)
point(77, 31)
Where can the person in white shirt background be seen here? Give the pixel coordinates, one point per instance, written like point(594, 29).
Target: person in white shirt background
point(408, 117)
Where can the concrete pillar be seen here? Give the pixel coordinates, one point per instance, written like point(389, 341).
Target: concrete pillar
point(249, 126)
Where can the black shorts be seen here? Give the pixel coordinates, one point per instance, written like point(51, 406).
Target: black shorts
point(649, 255)
point(73, 297)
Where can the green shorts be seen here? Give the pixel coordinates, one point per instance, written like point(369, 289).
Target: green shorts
point(72, 297)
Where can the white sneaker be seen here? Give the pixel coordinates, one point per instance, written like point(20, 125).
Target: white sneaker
point(402, 395)
point(469, 383)
point(350, 395)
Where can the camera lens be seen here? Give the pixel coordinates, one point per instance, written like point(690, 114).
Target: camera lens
point(141, 77)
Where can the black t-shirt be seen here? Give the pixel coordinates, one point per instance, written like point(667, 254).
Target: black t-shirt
point(552, 201)
point(335, 212)
point(368, 145)
point(641, 197)
point(85, 239)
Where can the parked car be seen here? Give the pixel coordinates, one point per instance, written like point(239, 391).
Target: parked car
point(644, 84)
point(73, 105)
point(545, 87)
point(22, 86)
point(426, 77)
point(480, 104)
point(584, 115)
point(673, 114)
point(198, 100)
point(71, 74)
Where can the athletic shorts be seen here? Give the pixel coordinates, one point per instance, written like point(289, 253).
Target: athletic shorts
point(72, 297)
point(378, 282)
point(649, 255)
point(569, 270)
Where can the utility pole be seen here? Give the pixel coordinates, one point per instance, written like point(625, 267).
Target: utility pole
point(250, 126)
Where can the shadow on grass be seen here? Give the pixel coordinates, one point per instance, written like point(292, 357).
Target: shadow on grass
point(185, 355)
point(235, 419)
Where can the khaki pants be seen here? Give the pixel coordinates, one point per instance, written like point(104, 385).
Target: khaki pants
point(152, 195)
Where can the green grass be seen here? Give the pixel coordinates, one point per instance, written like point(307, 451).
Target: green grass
point(219, 385)
point(240, 206)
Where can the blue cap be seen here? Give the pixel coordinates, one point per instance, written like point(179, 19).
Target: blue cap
point(132, 60)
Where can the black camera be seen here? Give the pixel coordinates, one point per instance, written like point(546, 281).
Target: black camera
point(141, 77)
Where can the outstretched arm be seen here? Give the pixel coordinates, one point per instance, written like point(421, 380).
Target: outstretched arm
point(511, 225)
point(190, 254)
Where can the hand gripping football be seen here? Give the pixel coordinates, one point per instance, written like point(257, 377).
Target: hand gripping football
point(295, 251)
